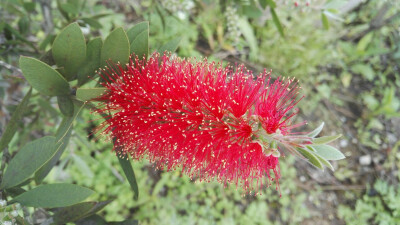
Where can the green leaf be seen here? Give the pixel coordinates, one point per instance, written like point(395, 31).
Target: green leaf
point(140, 45)
point(29, 6)
point(69, 50)
point(67, 122)
point(46, 168)
point(320, 158)
point(86, 94)
point(333, 15)
point(271, 3)
point(72, 213)
point(23, 25)
point(66, 105)
point(365, 70)
point(47, 40)
point(63, 12)
point(92, 220)
point(43, 78)
point(263, 3)
point(63, 135)
point(28, 160)
point(276, 21)
point(19, 36)
point(325, 140)
point(15, 191)
point(311, 158)
point(136, 30)
point(252, 11)
point(116, 48)
point(130, 175)
point(328, 152)
point(248, 33)
point(78, 211)
point(92, 62)
point(325, 21)
point(53, 195)
point(12, 126)
point(364, 42)
point(317, 130)
point(92, 22)
point(325, 162)
point(170, 46)
point(69, 8)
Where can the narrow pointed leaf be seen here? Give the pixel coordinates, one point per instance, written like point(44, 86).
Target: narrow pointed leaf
point(136, 30)
point(311, 158)
point(28, 160)
point(325, 140)
point(321, 159)
point(78, 211)
point(53, 195)
point(328, 152)
point(72, 213)
point(317, 130)
point(43, 78)
point(325, 20)
point(115, 48)
point(248, 33)
point(15, 191)
point(276, 21)
point(92, 220)
point(140, 45)
point(69, 50)
point(86, 94)
point(130, 175)
point(12, 125)
point(170, 46)
point(67, 123)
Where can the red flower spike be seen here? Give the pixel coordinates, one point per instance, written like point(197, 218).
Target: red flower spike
point(212, 121)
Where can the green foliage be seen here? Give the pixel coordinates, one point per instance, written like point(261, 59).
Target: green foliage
point(138, 37)
point(66, 105)
point(170, 46)
point(177, 199)
point(328, 152)
point(42, 77)
point(380, 205)
point(312, 157)
point(92, 61)
point(326, 52)
point(130, 175)
point(53, 195)
point(11, 128)
point(69, 50)
point(28, 160)
point(78, 211)
point(85, 94)
point(115, 48)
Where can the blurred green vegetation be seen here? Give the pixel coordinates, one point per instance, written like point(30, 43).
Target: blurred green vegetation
point(349, 74)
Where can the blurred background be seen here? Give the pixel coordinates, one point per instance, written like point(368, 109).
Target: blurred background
point(345, 53)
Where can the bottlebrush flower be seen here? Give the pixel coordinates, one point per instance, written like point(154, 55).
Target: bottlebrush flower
point(210, 120)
